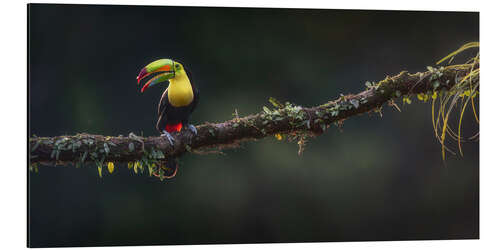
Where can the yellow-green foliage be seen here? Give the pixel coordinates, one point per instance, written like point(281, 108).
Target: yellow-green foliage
point(407, 100)
point(111, 167)
point(463, 93)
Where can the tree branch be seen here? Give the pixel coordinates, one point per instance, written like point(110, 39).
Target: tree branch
point(289, 119)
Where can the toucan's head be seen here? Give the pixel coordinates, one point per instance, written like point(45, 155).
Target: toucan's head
point(169, 67)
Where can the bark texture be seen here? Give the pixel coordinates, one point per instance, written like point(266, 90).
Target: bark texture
point(289, 119)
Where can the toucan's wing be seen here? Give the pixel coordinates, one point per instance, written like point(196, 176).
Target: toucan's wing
point(162, 108)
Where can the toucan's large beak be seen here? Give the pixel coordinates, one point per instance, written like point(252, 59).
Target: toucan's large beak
point(162, 65)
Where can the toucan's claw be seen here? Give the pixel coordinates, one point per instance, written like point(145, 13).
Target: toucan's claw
point(169, 137)
point(192, 129)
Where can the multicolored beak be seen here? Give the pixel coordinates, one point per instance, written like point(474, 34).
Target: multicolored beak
point(162, 65)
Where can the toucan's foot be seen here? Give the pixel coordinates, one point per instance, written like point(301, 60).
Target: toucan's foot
point(169, 137)
point(192, 129)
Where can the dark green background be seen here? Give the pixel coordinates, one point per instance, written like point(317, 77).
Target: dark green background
point(378, 179)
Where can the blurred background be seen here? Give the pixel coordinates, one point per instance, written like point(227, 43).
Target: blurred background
point(377, 179)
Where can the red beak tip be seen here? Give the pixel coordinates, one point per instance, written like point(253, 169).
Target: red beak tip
point(144, 87)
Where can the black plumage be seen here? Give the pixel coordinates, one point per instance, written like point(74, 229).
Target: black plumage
point(170, 115)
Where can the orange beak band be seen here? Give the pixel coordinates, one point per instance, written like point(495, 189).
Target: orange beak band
point(144, 72)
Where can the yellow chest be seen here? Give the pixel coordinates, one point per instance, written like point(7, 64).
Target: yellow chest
point(180, 92)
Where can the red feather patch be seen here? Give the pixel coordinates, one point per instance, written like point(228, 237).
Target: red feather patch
point(173, 127)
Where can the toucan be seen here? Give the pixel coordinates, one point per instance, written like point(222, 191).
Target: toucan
point(177, 102)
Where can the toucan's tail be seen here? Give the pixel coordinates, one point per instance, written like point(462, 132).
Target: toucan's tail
point(167, 169)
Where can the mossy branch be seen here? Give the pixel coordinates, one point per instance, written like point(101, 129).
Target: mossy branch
point(290, 119)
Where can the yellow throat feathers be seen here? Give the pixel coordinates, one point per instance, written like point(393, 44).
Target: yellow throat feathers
point(180, 92)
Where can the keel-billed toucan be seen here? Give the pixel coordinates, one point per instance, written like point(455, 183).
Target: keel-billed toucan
point(177, 102)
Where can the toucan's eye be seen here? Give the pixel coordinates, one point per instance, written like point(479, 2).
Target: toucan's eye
point(177, 66)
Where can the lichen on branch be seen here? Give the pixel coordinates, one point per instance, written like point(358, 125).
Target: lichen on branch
point(282, 119)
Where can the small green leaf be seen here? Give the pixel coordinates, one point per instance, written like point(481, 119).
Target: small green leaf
point(275, 102)
point(35, 146)
point(150, 168)
point(160, 155)
point(106, 148)
point(435, 84)
point(131, 147)
point(266, 109)
point(136, 166)
point(84, 156)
